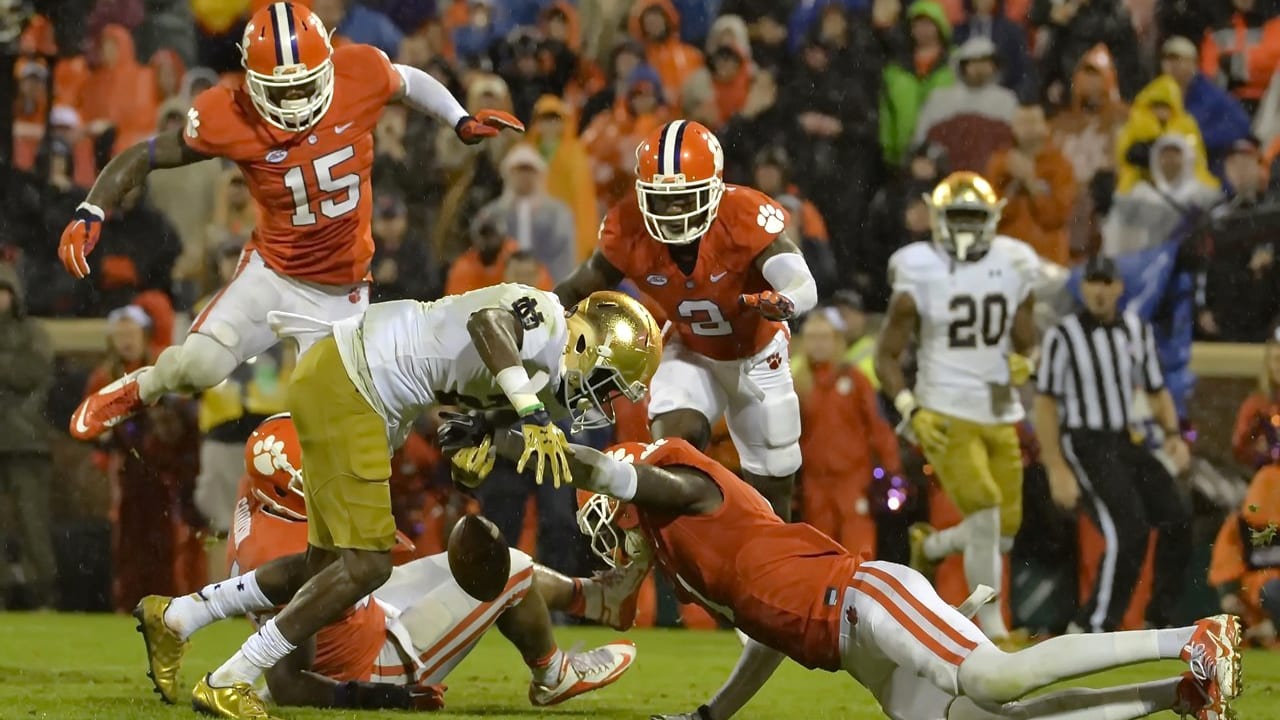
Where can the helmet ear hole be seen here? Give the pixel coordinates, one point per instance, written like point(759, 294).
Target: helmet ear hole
point(581, 345)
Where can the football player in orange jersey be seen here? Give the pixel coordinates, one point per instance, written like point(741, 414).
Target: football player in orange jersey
point(715, 258)
point(394, 648)
point(301, 131)
point(799, 594)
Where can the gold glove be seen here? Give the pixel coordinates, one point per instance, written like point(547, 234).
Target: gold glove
point(1020, 369)
point(472, 465)
point(930, 429)
point(545, 441)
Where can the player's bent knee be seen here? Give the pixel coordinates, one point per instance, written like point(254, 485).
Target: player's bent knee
point(689, 425)
point(205, 360)
point(367, 569)
point(990, 675)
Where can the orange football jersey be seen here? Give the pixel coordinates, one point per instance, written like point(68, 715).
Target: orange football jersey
point(312, 189)
point(781, 583)
point(345, 649)
point(703, 306)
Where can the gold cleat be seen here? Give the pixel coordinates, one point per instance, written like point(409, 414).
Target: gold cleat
point(164, 648)
point(238, 702)
point(919, 561)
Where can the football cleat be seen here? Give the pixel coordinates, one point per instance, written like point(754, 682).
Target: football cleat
point(919, 561)
point(238, 702)
point(1196, 701)
point(1213, 654)
point(164, 648)
point(582, 672)
point(108, 407)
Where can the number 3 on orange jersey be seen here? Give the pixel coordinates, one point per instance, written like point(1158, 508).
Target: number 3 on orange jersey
point(704, 318)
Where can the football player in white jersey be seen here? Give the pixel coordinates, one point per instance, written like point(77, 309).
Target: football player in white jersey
point(966, 299)
point(353, 397)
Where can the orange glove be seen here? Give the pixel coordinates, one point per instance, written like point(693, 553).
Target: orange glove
point(773, 305)
point(426, 698)
point(79, 239)
point(486, 124)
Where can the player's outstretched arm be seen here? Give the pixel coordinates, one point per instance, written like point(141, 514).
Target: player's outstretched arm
point(293, 684)
point(795, 292)
point(755, 666)
point(126, 172)
point(594, 275)
point(422, 92)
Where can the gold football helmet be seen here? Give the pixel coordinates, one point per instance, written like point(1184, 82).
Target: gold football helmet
point(614, 348)
point(964, 212)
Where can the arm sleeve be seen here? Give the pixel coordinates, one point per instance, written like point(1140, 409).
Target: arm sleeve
point(789, 274)
point(426, 95)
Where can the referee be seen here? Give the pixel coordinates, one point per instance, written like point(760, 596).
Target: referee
point(1092, 362)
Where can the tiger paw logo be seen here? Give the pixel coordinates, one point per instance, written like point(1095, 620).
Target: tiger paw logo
point(268, 454)
point(774, 361)
point(771, 219)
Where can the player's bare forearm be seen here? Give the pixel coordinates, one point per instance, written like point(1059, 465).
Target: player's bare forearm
point(129, 169)
point(1048, 433)
point(1165, 412)
point(293, 684)
point(497, 336)
point(755, 666)
point(1024, 327)
point(895, 336)
point(594, 275)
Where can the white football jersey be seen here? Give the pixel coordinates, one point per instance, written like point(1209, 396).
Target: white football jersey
point(405, 356)
point(966, 318)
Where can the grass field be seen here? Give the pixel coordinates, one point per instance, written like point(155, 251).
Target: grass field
point(91, 667)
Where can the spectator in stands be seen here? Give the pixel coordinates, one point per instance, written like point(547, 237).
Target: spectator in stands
point(612, 137)
point(1086, 133)
point(886, 232)
point(137, 253)
point(622, 63)
point(484, 22)
point(518, 59)
point(762, 121)
point(1157, 111)
point(167, 70)
point(356, 23)
point(554, 134)
point(1245, 566)
point(656, 26)
point(1255, 442)
point(1240, 51)
point(1037, 184)
point(729, 66)
point(766, 28)
point(559, 53)
point(1221, 118)
point(536, 221)
point(970, 118)
point(921, 67)
point(26, 476)
point(1171, 198)
point(987, 18)
point(1242, 280)
point(187, 198)
point(195, 81)
point(1074, 27)
point(120, 94)
point(485, 263)
point(523, 268)
point(29, 111)
point(402, 266)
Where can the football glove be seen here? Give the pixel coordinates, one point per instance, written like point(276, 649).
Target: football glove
point(470, 466)
point(462, 430)
point(485, 124)
point(926, 428)
point(544, 440)
point(79, 238)
point(1020, 369)
point(771, 304)
point(426, 697)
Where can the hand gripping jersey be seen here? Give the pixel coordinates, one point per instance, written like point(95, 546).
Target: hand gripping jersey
point(781, 583)
point(703, 306)
point(312, 189)
point(405, 355)
point(966, 315)
point(346, 648)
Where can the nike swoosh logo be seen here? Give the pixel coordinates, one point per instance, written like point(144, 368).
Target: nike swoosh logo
point(716, 278)
point(80, 426)
point(343, 128)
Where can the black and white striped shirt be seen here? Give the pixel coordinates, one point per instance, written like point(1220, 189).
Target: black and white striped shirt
point(1091, 369)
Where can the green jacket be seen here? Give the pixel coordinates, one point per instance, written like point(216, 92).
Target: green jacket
point(904, 92)
point(26, 371)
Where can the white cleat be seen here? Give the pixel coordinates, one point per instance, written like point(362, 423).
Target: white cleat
point(582, 672)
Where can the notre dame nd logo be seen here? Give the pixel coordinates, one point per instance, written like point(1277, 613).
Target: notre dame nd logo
point(526, 311)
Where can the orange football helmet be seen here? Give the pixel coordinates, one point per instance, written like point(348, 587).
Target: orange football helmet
point(288, 64)
point(679, 181)
point(273, 459)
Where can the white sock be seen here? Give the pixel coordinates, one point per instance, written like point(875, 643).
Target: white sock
point(1172, 640)
point(1127, 702)
point(154, 382)
point(261, 651)
point(547, 670)
point(990, 675)
point(945, 543)
point(1006, 544)
point(230, 598)
point(983, 565)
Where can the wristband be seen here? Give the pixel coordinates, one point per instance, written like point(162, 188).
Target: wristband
point(518, 388)
point(92, 209)
point(371, 696)
point(905, 402)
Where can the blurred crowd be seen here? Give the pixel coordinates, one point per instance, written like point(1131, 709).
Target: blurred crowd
point(1115, 127)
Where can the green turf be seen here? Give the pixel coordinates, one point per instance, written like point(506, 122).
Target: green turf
point(92, 667)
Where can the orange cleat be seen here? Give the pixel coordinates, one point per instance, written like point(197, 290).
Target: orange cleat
point(108, 407)
point(1213, 654)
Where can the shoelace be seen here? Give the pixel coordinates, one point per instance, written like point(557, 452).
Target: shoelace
point(590, 661)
